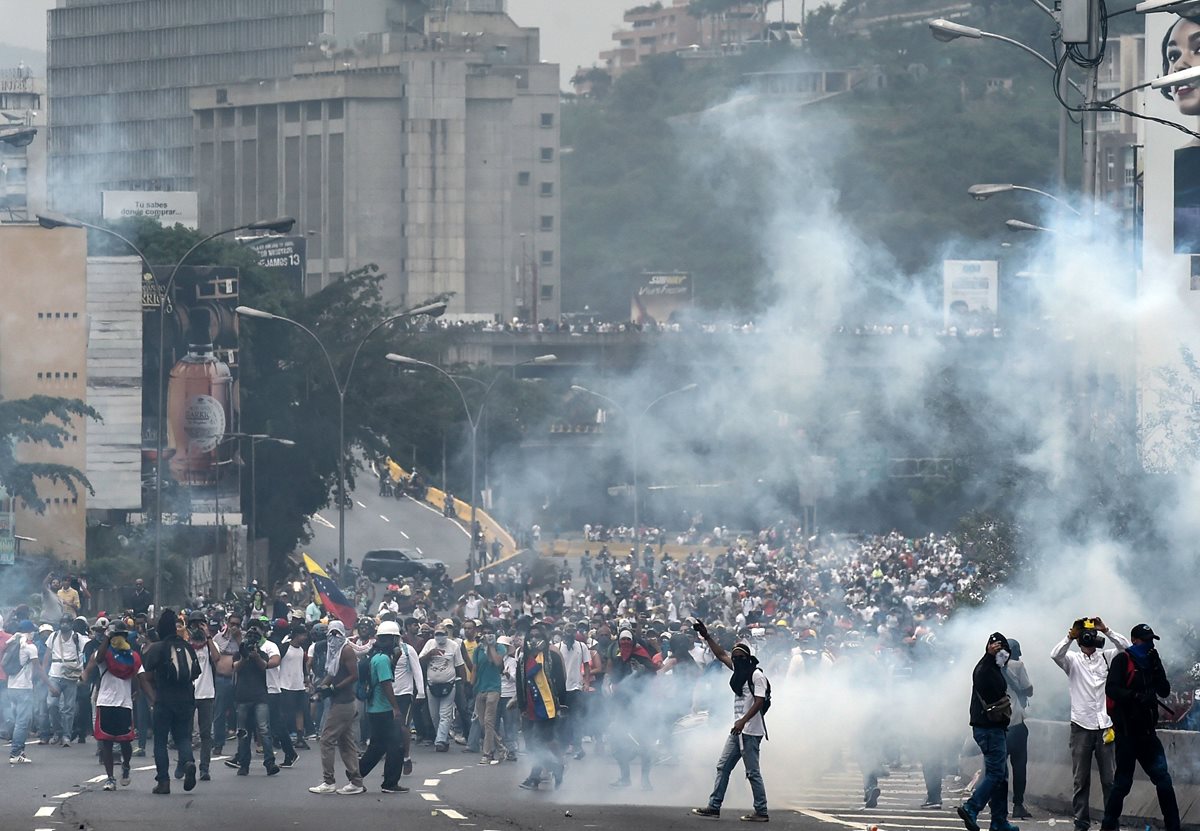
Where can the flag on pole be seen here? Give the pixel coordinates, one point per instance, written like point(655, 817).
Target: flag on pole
point(331, 596)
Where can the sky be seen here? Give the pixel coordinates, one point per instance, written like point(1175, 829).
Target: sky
point(573, 31)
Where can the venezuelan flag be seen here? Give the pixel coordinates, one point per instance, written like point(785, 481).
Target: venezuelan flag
point(331, 596)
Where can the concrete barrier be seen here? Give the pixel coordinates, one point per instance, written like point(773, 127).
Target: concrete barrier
point(1051, 782)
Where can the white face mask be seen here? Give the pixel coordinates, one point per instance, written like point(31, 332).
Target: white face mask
point(556, 640)
point(440, 639)
point(1001, 658)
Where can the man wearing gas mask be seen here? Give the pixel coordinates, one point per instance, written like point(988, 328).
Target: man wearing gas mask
point(1091, 726)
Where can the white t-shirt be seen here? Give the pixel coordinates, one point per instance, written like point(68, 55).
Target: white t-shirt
point(271, 651)
point(575, 656)
point(118, 692)
point(508, 678)
point(742, 703)
point(443, 666)
point(407, 675)
point(23, 680)
point(291, 669)
point(65, 650)
point(472, 607)
point(203, 686)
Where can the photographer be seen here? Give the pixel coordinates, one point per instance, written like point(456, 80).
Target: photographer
point(1087, 672)
point(1136, 680)
point(256, 655)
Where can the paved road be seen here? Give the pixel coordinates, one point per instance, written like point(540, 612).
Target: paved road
point(383, 522)
point(449, 791)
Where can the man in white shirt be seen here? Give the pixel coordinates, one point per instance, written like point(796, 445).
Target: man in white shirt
point(292, 671)
point(117, 666)
point(205, 690)
point(63, 663)
point(577, 665)
point(1087, 673)
point(280, 731)
point(20, 690)
point(443, 665)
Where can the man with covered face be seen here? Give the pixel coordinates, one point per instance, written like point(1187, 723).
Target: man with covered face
point(990, 713)
point(1091, 725)
point(541, 686)
point(750, 690)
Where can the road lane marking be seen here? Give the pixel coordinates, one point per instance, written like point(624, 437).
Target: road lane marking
point(323, 521)
point(45, 811)
point(359, 504)
point(385, 519)
point(96, 780)
point(439, 513)
point(67, 795)
point(432, 783)
point(419, 551)
point(147, 767)
point(452, 770)
point(451, 813)
point(404, 535)
point(828, 818)
point(430, 797)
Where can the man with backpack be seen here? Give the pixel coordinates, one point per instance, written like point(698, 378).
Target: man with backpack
point(751, 700)
point(1087, 672)
point(384, 712)
point(174, 668)
point(63, 663)
point(1136, 680)
point(991, 710)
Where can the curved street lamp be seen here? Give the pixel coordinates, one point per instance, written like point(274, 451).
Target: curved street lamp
point(342, 384)
point(281, 225)
point(637, 425)
point(982, 192)
point(472, 419)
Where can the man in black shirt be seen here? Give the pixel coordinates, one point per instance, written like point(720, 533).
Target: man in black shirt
point(139, 599)
point(173, 666)
point(990, 712)
point(256, 655)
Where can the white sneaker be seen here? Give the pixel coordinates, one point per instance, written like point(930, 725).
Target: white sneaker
point(66, 742)
point(324, 788)
point(20, 759)
point(351, 790)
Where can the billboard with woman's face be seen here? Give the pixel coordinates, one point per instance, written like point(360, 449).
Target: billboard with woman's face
point(1168, 311)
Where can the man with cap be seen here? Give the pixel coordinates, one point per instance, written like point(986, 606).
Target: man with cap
point(990, 713)
point(750, 689)
point(1136, 680)
point(443, 666)
point(205, 690)
point(1087, 671)
point(63, 663)
point(384, 711)
point(20, 690)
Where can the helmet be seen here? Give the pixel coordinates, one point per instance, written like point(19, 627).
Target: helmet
point(388, 627)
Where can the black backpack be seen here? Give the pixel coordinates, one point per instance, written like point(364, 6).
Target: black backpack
point(11, 662)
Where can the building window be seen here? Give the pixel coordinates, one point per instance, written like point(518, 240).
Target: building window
point(547, 154)
point(547, 292)
point(206, 120)
point(547, 223)
point(226, 118)
point(547, 189)
point(547, 120)
point(337, 110)
point(222, 96)
point(313, 111)
point(523, 177)
point(249, 116)
point(546, 258)
point(291, 113)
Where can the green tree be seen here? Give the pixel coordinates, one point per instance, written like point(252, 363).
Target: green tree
point(40, 419)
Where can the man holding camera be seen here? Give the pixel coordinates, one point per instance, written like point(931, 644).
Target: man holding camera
point(1136, 680)
point(1087, 672)
point(256, 655)
point(337, 733)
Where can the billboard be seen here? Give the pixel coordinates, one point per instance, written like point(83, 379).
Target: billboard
point(284, 256)
point(970, 293)
point(660, 296)
point(198, 381)
point(167, 208)
point(1168, 306)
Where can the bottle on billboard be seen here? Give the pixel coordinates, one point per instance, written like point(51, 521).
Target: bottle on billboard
point(199, 396)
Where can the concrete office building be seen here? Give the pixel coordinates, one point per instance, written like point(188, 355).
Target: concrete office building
point(431, 150)
point(22, 154)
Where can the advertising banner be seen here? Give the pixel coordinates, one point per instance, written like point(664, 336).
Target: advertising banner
point(167, 208)
point(970, 293)
point(199, 373)
point(285, 256)
point(660, 296)
point(1169, 280)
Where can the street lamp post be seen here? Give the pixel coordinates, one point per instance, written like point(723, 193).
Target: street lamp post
point(473, 421)
point(282, 225)
point(635, 431)
point(982, 192)
point(432, 309)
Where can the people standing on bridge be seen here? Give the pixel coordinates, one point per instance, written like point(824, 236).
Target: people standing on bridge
point(1087, 672)
point(990, 713)
point(750, 692)
point(1136, 680)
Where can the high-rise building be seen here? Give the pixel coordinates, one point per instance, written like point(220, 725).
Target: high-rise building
point(119, 75)
point(431, 150)
point(22, 144)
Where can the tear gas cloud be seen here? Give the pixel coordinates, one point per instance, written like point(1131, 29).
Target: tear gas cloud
point(1053, 399)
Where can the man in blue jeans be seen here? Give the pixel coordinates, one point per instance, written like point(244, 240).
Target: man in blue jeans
point(173, 667)
point(990, 714)
point(256, 656)
point(21, 690)
point(750, 690)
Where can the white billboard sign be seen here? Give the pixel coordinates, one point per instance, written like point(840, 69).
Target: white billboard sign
point(168, 208)
point(970, 293)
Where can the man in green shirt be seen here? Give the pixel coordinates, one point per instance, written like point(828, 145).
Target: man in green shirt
point(488, 659)
point(383, 711)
